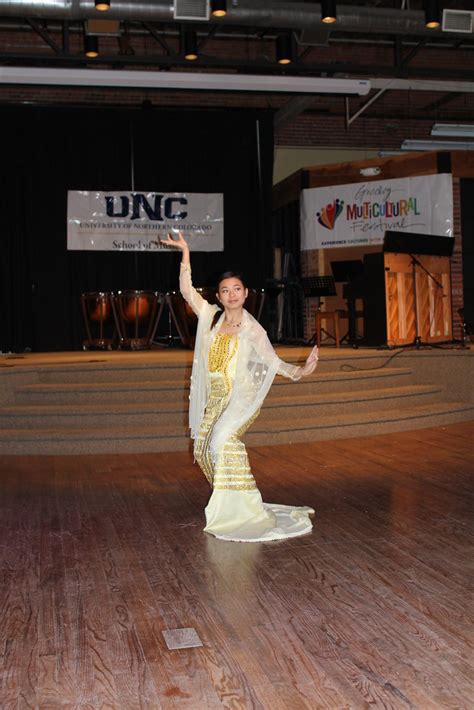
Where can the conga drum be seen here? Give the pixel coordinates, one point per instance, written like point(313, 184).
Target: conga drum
point(98, 321)
point(137, 314)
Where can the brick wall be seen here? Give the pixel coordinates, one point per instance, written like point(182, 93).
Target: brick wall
point(379, 134)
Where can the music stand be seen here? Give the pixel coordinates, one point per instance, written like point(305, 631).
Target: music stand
point(348, 272)
point(316, 287)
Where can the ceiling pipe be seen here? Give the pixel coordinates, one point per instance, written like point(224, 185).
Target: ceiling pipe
point(280, 15)
point(56, 26)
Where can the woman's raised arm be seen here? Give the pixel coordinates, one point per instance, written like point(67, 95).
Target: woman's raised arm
point(186, 287)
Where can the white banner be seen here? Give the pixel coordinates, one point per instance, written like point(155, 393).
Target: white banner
point(135, 221)
point(361, 213)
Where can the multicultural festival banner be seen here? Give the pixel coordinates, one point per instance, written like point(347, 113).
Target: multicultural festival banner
point(135, 221)
point(361, 213)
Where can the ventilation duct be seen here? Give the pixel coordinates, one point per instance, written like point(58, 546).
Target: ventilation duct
point(191, 10)
point(457, 21)
point(363, 19)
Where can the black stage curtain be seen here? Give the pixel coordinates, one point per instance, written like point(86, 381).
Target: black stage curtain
point(286, 235)
point(48, 151)
point(467, 227)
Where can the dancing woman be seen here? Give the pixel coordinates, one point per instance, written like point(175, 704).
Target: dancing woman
point(233, 369)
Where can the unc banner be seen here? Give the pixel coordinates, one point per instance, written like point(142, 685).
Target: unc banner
point(361, 213)
point(135, 221)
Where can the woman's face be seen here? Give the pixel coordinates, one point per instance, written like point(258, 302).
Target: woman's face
point(232, 293)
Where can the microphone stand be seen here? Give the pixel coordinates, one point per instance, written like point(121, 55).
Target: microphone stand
point(414, 263)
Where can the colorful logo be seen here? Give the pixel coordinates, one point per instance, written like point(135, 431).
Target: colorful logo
point(328, 215)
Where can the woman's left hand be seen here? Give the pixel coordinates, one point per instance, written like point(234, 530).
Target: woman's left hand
point(311, 362)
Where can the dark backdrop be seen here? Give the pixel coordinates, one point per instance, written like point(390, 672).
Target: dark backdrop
point(48, 151)
point(467, 228)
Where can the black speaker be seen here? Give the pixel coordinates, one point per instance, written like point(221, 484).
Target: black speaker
point(375, 317)
point(413, 243)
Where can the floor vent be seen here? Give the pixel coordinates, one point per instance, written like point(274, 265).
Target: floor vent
point(191, 9)
point(457, 21)
point(181, 638)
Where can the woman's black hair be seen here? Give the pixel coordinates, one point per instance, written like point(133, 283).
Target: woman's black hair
point(222, 277)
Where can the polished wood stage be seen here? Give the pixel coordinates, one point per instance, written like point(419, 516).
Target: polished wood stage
point(101, 554)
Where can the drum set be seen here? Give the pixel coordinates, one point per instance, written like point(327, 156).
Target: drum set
point(130, 320)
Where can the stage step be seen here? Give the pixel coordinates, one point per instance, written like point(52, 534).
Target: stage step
point(104, 374)
point(162, 390)
point(132, 402)
point(135, 414)
point(167, 437)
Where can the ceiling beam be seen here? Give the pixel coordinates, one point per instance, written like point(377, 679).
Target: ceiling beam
point(66, 37)
point(435, 105)
point(413, 52)
point(293, 108)
point(463, 87)
point(156, 36)
point(205, 40)
point(44, 35)
point(364, 107)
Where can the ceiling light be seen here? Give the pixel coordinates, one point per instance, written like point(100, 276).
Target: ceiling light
point(183, 80)
point(219, 8)
point(190, 45)
point(328, 11)
point(436, 145)
point(453, 130)
point(432, 14)
point(91, 46)
point(102, 5)
point(284, 49)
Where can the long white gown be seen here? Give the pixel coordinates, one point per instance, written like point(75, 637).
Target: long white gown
point(235, 511)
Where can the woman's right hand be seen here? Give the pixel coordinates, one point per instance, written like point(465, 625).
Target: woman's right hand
point(179, 243)
point(311, 362)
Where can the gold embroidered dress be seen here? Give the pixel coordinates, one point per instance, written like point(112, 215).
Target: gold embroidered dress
point(231, 376)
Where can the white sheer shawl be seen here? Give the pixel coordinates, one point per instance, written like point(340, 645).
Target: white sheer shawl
point(257, 365)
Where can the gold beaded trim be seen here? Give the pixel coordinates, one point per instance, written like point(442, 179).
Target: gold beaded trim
point(221, 352)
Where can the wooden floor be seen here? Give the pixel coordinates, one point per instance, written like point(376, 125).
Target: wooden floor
point(100, 554)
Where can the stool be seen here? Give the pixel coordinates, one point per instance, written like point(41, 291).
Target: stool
point(329, 315)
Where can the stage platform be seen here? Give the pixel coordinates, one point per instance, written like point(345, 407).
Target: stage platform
point(132, 402)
